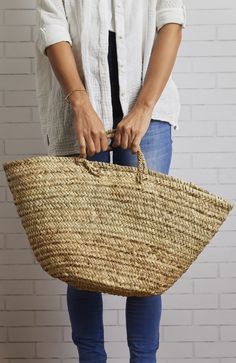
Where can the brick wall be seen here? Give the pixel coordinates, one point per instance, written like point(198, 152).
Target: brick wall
point(198, 322)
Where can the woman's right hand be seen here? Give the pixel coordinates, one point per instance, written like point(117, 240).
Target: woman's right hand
point(89, 128)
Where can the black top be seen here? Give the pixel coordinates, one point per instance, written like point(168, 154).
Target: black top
point(113, 70)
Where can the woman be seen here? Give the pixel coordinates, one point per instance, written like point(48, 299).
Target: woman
point(103, 64)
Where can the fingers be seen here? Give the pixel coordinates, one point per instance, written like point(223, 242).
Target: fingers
point(96, 136)
point(135, 143)
point(82, 144)
point(90, 131)
point(117, 138)
point(100, 141)
point(104, 142)
point(90, 146)
point(93, 142)
point(127, 138)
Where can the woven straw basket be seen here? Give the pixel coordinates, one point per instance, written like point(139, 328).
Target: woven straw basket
point(116, 229)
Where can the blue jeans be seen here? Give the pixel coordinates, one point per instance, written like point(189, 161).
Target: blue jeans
point(142, 313)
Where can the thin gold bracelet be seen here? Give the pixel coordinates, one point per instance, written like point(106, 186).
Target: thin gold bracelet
point(68, 95)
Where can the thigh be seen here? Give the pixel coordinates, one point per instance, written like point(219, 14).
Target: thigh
point(156, 146)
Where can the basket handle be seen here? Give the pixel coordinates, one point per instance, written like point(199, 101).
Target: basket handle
point(141, 162)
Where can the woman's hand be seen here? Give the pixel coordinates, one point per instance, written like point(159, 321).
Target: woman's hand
point(131, 129)
point(89, 128)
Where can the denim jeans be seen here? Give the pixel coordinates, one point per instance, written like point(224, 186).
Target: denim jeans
point(142, 313)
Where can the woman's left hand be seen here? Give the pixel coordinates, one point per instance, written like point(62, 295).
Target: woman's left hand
point(131, 129)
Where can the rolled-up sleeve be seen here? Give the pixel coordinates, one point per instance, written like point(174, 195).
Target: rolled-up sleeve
point(170, 11)
point(52, 24)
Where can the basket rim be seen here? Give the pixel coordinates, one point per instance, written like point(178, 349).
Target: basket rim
point(133, 169)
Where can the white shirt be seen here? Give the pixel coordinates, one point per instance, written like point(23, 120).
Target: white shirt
point(85, 25)
point(111, 20)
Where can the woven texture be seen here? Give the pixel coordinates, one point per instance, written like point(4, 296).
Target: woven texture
point(117, 229)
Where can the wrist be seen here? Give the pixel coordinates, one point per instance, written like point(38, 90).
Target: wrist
point(78, 99)
point(143, 107)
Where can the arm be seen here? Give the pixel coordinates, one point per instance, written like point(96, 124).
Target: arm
point(64, 66)
point(54, 42)
point(170, 19)
point(161, 63)
point(169, 24)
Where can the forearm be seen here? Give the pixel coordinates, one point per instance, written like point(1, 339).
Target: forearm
point(161, 63)
point(64, 66)
point(88, 127)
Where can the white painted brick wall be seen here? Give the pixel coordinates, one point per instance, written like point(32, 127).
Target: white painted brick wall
point(198, 322)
